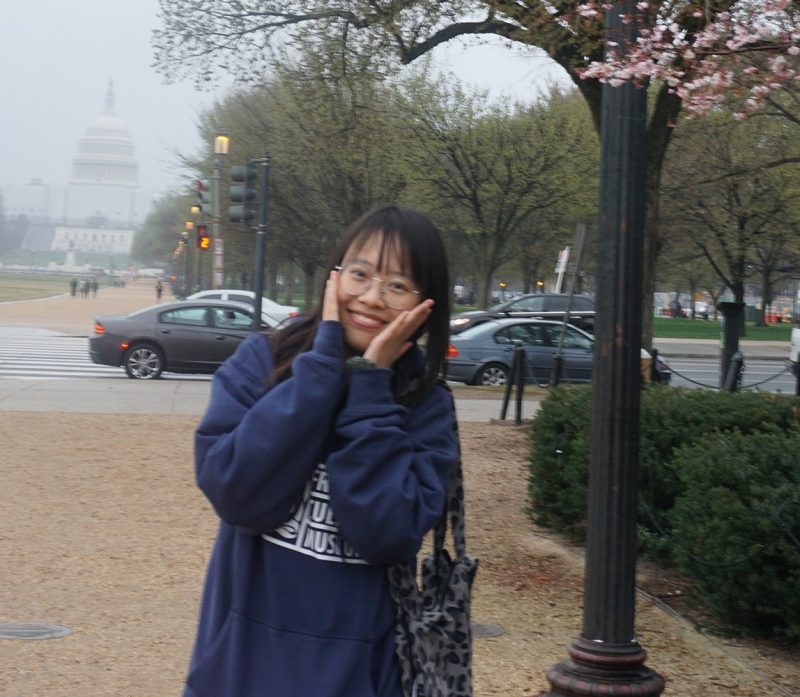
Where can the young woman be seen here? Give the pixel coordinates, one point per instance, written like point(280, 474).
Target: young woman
point(326, 451)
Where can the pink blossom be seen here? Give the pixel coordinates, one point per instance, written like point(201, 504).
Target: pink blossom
point(703, 67)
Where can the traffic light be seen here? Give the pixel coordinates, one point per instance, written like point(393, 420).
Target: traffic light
point(204, 204)
point(243, 193)
point(203, 240)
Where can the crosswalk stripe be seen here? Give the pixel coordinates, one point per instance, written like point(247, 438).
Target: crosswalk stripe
point(60, 358)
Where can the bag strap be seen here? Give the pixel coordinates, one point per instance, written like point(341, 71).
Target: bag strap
point(454, 505)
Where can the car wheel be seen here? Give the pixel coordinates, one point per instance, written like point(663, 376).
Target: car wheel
point(492, 374)
point(144, 362)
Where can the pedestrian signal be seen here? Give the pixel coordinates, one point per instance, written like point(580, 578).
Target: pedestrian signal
point(203, 240)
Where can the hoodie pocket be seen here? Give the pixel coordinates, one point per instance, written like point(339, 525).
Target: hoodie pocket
point(253, 659)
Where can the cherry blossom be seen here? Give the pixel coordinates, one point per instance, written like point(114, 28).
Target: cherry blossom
point(705, 57)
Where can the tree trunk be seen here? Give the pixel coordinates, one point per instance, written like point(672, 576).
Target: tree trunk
point(272, 281)
point(664, 114)
point(767, 296)
point(659, 132)
point(738, 295)
point(486, 290)
point(308, 273)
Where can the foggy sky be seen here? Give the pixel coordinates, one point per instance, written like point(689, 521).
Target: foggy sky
point(57, 57)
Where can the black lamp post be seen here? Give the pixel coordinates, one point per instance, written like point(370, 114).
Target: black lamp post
point(221, 148)
point(607, 659)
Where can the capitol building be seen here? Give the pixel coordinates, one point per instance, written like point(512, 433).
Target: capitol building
point(102, 204)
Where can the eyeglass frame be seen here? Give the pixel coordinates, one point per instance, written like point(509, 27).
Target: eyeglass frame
point(381, 287)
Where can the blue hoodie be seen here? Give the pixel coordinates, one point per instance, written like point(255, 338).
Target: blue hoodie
point(319, 482)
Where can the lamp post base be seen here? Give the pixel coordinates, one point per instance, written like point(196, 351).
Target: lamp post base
point(598, 668)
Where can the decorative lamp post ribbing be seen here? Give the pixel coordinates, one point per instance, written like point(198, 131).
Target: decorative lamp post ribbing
point(607, 659)
point(221, 147)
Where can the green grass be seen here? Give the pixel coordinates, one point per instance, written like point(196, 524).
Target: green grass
point(19, 286)
point(684, 328)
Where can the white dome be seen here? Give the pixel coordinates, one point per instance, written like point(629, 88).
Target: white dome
point(106, 153)
point(108, 124)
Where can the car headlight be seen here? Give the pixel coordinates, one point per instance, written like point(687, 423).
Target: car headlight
point(459, 321)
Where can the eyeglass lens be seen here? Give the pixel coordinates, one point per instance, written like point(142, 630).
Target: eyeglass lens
point(396, 291)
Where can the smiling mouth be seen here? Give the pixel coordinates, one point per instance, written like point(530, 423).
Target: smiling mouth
point(364, 321)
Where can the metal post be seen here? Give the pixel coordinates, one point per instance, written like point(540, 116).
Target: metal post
point(733, 378)
point(607, 659)
point(215, 215)
point(522, 369)
point(261, 236)
point(732, 314)
point(558, 360)
point(510, 380)
point(654, 374)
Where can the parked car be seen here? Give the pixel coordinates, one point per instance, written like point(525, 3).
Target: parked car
point(483, 354)
point(276, 310)
point(551, 306)
point(187, 336)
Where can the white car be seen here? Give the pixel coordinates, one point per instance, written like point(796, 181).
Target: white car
point(270, 307)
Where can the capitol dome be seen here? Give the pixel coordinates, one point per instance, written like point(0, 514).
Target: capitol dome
point(106, 153)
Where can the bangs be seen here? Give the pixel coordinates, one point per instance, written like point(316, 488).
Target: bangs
point(393, 247)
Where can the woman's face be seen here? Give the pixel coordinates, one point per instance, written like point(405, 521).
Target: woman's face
point(367, 314)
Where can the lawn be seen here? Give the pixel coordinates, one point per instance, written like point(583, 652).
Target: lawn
point(684, 328)
point(23, 286)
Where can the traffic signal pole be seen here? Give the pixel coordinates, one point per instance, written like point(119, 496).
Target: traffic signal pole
point(261, 238)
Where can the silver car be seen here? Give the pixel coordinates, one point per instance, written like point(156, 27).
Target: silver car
point(275, 310)
point(483, 354)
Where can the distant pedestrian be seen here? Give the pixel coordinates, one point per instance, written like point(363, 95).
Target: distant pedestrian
point(159, 290)
point(73, 287)
point(94, 285)
point(85, 288)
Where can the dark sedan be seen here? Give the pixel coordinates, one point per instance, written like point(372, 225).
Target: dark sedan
point(551, 306)
point(483, 355)
point(177, 337)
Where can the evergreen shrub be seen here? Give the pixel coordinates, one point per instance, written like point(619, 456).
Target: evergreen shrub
point(736, 528)
point(670, 418)
point(714, 466)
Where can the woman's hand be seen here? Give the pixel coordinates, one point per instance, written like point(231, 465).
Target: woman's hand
point(330, 302)
point(393, 341)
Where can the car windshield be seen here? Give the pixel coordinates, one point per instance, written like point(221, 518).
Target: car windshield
point(502, 307)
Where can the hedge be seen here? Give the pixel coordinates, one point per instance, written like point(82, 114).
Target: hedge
point(687, 442)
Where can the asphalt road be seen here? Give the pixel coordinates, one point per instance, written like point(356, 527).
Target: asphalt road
point(113, 393)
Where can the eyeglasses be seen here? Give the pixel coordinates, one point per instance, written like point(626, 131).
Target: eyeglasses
point(396, 291)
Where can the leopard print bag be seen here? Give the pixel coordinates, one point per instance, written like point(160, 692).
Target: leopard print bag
point(433, 637)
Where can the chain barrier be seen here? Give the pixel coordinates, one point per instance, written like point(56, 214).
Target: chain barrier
point(786, 369)
point(522, 373)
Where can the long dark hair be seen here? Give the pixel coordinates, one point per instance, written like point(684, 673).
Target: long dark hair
point(416, 242)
